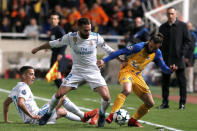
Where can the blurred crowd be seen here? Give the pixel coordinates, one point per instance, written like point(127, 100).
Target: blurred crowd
point(111, 17)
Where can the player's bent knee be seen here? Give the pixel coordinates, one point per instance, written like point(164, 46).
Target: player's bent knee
point(150, 104)
point(106, 98)
point(59, 95)
point(126, 92)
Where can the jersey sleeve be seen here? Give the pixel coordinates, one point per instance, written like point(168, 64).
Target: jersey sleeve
point(160, 63)
point(130, 49)
point(104, 46)
point(11, 94)
point(60, 42)
point(23, 92)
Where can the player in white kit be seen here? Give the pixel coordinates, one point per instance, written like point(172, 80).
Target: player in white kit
point(83, 46)
point(27, 108)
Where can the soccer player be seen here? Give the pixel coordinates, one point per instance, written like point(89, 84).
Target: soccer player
point(83, 46)
point(27, 108)
point(130, 76)
point(58, 54)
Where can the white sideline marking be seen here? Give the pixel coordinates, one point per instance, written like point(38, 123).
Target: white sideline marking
point(87, 109)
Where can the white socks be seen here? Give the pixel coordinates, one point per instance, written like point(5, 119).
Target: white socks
point(104, 105)
point(72, 116)
point(53, 103)
point(72, 107)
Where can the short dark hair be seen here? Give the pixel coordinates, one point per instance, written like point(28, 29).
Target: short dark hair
point(24, 69)
point(171, 8)
point(54, 13)
point(83, 21)
point(157, 38)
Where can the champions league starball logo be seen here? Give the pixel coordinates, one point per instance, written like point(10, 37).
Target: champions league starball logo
point(75, 40)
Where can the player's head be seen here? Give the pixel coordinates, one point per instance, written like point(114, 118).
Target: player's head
point(54, 19)
point(155, 42)
point(171, 14)
point(27, 74)
point(84, 28)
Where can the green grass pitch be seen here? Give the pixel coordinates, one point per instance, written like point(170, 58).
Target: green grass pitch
point(172, 117)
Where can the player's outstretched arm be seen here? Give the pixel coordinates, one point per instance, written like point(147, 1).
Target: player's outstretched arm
point(160, 62)
point(6, 106)
point(21, 104)
point(44, 46)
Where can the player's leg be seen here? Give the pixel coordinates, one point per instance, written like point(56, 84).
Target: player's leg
point(141, 89)
point(105, 101)
point(69, 83)
point(126, 82)
point(53, 103)
point(84, 116)
point(62, 112)
point(98, 84)
point(142, 110)
point(58, 80)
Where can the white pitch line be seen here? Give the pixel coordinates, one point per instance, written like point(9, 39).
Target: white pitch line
point(87, 109)
point(111, 104)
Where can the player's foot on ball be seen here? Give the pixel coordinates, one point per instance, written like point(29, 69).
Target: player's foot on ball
point(109, 119)
point(94, 120)
point(133, 122)
point(101, 121)
point(89, 115)
point(43, 120)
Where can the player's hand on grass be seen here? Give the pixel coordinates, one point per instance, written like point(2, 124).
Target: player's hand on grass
point(34, 50)
point(35, 117)
point(100, 64)
point(173, 68)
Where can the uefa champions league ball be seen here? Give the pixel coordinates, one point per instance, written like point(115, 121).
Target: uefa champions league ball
point(121, 117)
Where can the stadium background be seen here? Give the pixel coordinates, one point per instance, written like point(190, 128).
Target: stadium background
point(15, 50)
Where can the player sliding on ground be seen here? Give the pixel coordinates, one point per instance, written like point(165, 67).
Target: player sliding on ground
point(130, 75)
point(28, 110)
point(83, 46)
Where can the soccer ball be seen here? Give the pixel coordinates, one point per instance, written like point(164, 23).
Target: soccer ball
point(121, 117)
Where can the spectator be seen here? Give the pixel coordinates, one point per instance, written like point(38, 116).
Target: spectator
point(58, 10)
point(5, 26)
point(130, 3)
point(18, 27)
point(85, 12)
point(174, 47)
point(108, 6)
point(127, 23)
point(190, 61)
point(114, 29)
point(65, 25)
point(137, 9)
point(120, 5)
point(140, 32)
point(32, 30)
point(21, 20)
point(73, 17)
point(98, 14)
point(117, 14)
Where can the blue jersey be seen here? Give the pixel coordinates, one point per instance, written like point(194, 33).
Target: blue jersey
point(138, 57)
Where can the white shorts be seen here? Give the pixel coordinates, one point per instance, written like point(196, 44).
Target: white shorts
point(94, 79)
point(44, 109)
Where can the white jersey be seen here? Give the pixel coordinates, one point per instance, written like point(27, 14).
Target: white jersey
point(83, 51)
point(24, 91)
